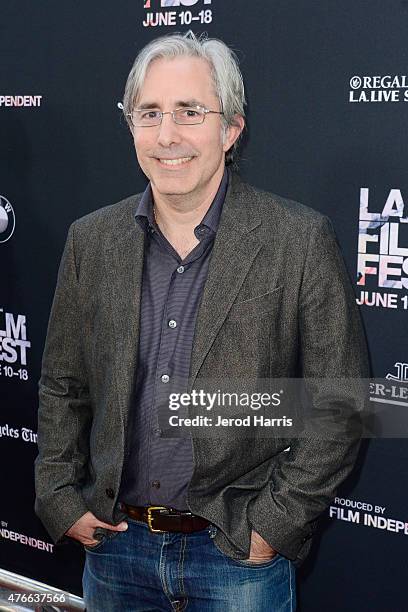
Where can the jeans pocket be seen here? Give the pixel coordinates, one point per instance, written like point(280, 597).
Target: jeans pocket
point(247, 562)
point(260, 564)
point(103, 535)
point(93, 547)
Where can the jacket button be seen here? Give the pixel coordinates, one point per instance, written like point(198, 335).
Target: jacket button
point(110, 493)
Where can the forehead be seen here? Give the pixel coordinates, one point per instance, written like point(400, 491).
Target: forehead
point(176, 79)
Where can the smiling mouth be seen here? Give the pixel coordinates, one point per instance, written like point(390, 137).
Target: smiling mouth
point(175, 162)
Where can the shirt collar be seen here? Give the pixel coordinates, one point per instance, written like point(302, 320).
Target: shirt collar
point(144, 212)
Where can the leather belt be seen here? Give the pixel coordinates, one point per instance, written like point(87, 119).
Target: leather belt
point(161, 518)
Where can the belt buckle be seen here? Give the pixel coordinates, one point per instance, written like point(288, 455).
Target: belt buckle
point(150, 518)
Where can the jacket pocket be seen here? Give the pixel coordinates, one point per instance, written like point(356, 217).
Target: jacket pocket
point(256, 306)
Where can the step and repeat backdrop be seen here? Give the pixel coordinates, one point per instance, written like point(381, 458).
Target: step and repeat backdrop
point(327, 89)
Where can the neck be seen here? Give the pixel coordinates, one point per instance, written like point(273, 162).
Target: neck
point(180, 214)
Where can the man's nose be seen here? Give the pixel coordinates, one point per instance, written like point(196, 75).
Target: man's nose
point(169, 131)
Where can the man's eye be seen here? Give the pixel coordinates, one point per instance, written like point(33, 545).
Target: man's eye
point(190, 112)
point(150, 114)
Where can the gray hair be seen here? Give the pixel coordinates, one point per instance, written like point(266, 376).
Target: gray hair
point(227, 77)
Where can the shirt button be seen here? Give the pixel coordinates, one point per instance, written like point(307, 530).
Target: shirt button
point(172, 323)
point(180, 269)
point(165, 378)
point(156, 484)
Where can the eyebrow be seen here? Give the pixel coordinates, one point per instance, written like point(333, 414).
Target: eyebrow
point(178, 104)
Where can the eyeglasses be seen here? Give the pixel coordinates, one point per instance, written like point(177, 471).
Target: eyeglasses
point(189, 115)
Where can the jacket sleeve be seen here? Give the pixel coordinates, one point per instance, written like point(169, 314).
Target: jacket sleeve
point(64, 414)
point(332, 346)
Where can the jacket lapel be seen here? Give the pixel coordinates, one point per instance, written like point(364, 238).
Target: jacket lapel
point(124, 268)
point(234, 250)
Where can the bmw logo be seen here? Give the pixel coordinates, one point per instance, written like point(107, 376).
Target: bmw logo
point(7, 219)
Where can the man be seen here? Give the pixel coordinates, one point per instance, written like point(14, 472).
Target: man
point(200, 275)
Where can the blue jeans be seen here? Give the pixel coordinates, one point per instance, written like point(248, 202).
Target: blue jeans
point(136, 570)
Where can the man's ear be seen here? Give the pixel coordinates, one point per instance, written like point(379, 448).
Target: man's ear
point(233, 131)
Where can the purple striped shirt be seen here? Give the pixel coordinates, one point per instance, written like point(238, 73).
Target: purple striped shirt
point(158, 469)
